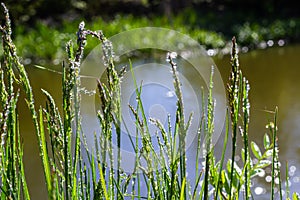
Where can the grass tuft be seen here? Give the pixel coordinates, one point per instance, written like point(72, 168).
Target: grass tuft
point(62, 144)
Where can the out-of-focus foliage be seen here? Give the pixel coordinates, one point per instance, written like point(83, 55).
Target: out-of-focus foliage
point(41, 27)
point(44, 42)
point(28, 11)
point(255, 33)
point(31, 10)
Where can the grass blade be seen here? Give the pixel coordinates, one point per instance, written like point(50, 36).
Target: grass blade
point(44, 154)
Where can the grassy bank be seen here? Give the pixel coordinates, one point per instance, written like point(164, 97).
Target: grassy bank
point(68, 175)
point(45, 40)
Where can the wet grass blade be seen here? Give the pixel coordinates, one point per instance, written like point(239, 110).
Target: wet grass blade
point(182, 195)
point(223, 155)
point(103, 185)
point(246, 115)
point(275, 161)
point(234, 102)
point(25, 190)
point(208, 136)
point(44, 155)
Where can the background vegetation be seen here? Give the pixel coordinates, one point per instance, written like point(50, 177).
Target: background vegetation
point(38, 23)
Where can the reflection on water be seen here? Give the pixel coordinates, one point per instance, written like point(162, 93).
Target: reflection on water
point(274, 78)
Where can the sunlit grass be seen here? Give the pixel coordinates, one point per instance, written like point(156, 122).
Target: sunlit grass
point(69, 176)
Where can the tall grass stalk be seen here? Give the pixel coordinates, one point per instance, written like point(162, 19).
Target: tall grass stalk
point(147, 151)
point(12, 174)
point(244, 131)
point(179, 120)
point(275, 158)
point(197, 173)
point(115, 91)
point(209, 131)
point(234, 102)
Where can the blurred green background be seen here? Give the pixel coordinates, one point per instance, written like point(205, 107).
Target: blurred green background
point(42, 27)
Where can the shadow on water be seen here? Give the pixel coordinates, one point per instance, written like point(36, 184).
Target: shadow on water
point(274, 79)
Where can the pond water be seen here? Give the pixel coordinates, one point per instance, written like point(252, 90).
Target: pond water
point(274, 77)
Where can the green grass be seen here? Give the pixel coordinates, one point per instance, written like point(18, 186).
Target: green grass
point(69, 176)
point(44, 43)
